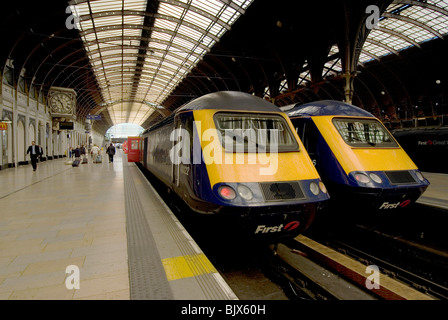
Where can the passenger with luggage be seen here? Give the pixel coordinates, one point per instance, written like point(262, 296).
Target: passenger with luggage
point(83, 154)
point(77, 153)
point(96, 154)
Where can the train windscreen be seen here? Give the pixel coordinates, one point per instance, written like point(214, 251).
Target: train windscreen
point(240, 132)
point(364, 133)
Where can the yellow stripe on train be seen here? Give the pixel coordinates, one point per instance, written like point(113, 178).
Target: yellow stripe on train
point(362, 159)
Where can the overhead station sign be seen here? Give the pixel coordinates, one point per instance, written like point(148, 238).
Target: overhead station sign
point(93, 117)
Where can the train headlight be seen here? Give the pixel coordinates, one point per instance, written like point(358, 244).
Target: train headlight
point(314, 188)
point(245, 192)
point(322, 187)
point(360, 177)
point(420, 175)
point(375, 178)
point(227, 192)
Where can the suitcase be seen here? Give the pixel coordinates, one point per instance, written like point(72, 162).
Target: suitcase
point(75, 163)
point(98, 159)
point(85, 160)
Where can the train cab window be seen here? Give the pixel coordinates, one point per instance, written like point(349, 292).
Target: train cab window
point(364, 133)
point(240, 132)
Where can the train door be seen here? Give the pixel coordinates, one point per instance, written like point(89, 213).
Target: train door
point(182, 152)
point(176, 155)
point(186, 164)
point(307, 131)
point(133, 149)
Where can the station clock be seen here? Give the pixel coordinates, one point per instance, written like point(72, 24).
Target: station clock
point(62, 101)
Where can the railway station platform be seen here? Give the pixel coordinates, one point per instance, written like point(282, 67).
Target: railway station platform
point(104, 228)
point(437, 193)
point(97, 231)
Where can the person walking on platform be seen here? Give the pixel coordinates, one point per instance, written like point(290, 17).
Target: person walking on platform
point(34, 152)
point(96, 154)
point(111, 152)
point(95, 151)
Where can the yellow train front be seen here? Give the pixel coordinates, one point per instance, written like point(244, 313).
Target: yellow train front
point(237, 156)
point(358, 159)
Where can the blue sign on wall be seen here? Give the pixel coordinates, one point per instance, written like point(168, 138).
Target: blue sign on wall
point(94, 117)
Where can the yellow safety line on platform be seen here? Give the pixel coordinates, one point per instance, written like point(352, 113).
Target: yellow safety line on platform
point(187, 266)
point(390, 289)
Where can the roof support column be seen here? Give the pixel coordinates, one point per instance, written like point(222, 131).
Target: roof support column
point(355, 34)
point(348, 86)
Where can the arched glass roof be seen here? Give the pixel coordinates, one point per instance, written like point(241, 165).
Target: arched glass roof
point(124, 130)
point(406, 23)
point(141, 49)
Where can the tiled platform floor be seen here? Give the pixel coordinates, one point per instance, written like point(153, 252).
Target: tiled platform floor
point(60, 216)
point(437, 192)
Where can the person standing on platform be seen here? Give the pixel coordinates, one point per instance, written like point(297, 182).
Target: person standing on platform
point(34, 152)
point(111, 152)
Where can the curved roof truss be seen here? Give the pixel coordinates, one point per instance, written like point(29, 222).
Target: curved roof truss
point(406, 23)
point(140, 50)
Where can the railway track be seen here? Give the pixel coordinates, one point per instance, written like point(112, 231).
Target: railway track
point(341, 273)
point(413, 264)
point(404, 247)
point(419, 279)
point(304, 278)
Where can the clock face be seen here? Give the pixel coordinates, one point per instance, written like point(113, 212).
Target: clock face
point(61, 103)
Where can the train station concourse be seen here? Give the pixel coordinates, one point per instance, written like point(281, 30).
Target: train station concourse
point(198, 150)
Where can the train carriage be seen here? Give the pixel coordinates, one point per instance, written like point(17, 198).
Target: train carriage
point(236, 155)
point(359, 161)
